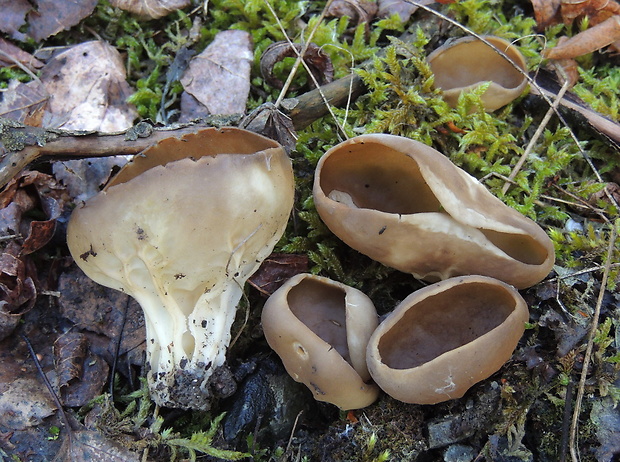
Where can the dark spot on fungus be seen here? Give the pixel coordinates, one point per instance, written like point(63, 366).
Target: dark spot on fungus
point(203, 323)
point(141, 234)
point(88, 253)
point(179, 276)
point(382, 230)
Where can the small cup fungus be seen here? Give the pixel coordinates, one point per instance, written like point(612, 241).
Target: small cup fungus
point(466, 63)
point(320, 328)
point(407, 206)
point(442, 339)
point(180, 229)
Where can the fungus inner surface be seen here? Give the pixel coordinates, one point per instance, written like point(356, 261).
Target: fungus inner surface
point(474, 62)
point(380, 178)
point(321, 308)
point(444, 322)
point(372, 176)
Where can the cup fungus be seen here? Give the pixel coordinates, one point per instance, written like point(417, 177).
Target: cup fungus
point(180, 229)
point(407, 206)
point(320, 329)
point(444, 338)
point(466, 63)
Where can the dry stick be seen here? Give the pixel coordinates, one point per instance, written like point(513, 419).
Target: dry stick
point(588, 353)
point(537, 135)
point(532, 83)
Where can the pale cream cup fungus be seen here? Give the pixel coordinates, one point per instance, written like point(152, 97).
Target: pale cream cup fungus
point(464, 64)
point(320, 329)
point(407, 206)
point(180, 229)
point(444, 338)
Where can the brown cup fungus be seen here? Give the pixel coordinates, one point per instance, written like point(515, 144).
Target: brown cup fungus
point(180, 229)
point(320, 329)
point(407, 206)
point(464, 64)
point(442, 339)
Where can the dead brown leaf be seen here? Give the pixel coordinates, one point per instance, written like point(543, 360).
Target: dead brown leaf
point(402, 8)
point(14, 17)
point(315, 58)
point(29, 192)
point(81, 374)
point(11, 54)
point(219, 77)
point(18, 291)
point(22, 101)
point(24, 402)
point(276, 270)
point(595, 38)
point(358, 10)
point(101, 311)
point(546, 12)
point(150, 8)
point(53, 16)
point(89, 89)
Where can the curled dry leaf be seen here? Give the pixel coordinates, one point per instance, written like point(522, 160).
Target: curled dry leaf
point(269, 121)
point(597, 10)
point(81, 374)
point(150, 8)
point(88, 88)
point(317, 60)
point(546, 12)
point(219, 77)
point(17, 288)
point(358, 11)
point(37, 192)
point(69, 353)
point(595, 38)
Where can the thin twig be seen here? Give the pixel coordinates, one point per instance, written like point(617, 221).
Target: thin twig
point(537, 134)
point(590, 346)
point(47, 383)
point(117, 347)
point(300, 60)
point(302, 53)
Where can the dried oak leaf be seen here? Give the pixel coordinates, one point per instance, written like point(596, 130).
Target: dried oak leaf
point(219, 77)
point(88, 89)
point(53, 16)
point(315, 58)
point(150, 8)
